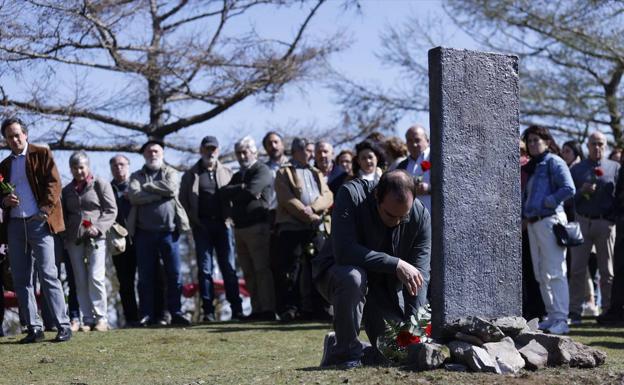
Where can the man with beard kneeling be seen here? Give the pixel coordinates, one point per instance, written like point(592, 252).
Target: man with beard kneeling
point(376, 264)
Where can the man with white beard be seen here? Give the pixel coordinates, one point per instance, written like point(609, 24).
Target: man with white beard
point(249, 192)
point(155, 221)
point(200, 194)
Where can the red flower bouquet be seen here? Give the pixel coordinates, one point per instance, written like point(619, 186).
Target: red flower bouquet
point(394, 342)
point(5, 187)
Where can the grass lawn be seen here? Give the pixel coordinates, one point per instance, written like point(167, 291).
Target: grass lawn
point(260, 353)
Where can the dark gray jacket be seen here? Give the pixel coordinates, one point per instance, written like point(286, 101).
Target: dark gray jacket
point(249, 194)
point(358, 232)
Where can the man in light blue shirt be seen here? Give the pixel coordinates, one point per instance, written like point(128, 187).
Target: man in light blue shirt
point(32, 213)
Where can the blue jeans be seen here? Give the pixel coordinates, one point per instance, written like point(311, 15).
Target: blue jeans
point(150, 246)
point(215, 236)
point(31, 248)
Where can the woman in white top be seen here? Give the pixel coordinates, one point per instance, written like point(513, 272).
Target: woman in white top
point(370, 160)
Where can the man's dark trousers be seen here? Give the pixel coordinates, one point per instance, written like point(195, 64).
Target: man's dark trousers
point(294, 288)
point(347, 289)
point(126, 267)
point(214, 237)
point(151, 246)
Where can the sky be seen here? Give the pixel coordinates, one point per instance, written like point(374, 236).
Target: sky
point(308, 104)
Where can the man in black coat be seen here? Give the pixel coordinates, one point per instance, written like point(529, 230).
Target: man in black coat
point(249, 192)
point(376, 264)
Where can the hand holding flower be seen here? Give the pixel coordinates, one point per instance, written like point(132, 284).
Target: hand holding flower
point(10, 200)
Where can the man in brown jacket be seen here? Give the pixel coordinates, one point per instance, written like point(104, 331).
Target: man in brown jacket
point(31, 199)
point(303, 200)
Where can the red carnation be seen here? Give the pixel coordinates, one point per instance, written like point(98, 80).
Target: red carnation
point(428, 330)
point(1, 178)
point(86, 223)
point(598, 171)
point(426, 165)
point(189, 290)
point(405, 338)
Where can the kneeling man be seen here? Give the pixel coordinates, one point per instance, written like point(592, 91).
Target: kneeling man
point(376, 265)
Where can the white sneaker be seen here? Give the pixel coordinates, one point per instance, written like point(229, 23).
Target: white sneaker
point(545, 324)
point(590, 310)
point(559, 327)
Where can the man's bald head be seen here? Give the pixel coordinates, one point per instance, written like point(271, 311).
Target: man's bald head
point(417, 140)
point(597, 146)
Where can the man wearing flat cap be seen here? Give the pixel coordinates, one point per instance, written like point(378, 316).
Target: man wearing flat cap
point(200, 194)
point(155, 221)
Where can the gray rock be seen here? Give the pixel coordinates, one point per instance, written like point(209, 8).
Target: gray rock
point(475, 326)
point(535, 355)
point(455, 367)
point(504, 367)
point(483, 329)
point(468, 338)
point(511, 326)
point(505, 352)
point(474, 357)
point(426, 356)
point(564, 351)
point(474, 99)
point(533, 325)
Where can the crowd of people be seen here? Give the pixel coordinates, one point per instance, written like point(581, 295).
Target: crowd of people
point(563, 284)
point(271, 218)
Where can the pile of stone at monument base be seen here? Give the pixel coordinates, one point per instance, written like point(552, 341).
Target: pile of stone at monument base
point(503, 346)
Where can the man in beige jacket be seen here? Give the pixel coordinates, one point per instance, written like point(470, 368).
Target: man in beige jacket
point(303, 199)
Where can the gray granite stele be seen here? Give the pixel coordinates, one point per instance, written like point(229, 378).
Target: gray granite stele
point(475, 179)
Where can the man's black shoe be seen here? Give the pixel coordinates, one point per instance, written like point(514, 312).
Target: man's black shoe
point(237, 316)
point(63, 335)
point(610, 318)
point(178, 319)
point(208, 317)
point(34, 335)
point(289, 315)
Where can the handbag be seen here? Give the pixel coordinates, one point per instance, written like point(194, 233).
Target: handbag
point(116, 239)
point(116, 235)
point(568, 235)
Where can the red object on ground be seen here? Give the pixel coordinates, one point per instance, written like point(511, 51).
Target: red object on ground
point(405, 338)
point(188, 290)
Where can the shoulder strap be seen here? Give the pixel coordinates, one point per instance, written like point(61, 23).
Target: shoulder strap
point(98, 189)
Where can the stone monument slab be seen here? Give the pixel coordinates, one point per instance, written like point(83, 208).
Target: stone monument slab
point(475, 177)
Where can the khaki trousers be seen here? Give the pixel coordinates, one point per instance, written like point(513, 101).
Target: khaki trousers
point(601, 234)
point(252, 248)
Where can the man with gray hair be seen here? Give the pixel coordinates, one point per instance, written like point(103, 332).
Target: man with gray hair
point(417, 163)
point(324, 161)
point(156, 220)
point(248, 193)
point(595, 179)
point(303, 200)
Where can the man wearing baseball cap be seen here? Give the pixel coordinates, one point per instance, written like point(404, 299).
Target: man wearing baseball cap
point(207, 211)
